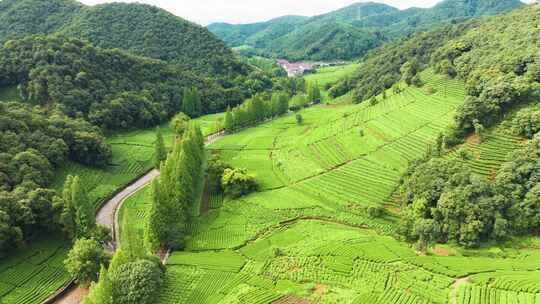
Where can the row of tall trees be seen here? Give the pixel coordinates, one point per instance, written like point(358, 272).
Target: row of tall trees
point(174, 190)
point(259, 109)
point(255, 110)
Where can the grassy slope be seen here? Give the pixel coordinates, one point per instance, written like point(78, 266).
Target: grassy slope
point(330, 75)
point(308, 235)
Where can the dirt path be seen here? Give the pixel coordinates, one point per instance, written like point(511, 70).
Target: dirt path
point(455, 288)
point(73, 296)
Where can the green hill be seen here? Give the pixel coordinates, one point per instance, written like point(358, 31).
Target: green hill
point(152, 32)
point(137, 28)
point(352, 31)
point(110, 88)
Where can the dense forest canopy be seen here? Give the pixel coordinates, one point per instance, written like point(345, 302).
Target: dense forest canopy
point(20, 18)
point(350, 32)
point(445, 202)
point(152, 32)
point(110, 88)
point(33, 142)
point(137, 28)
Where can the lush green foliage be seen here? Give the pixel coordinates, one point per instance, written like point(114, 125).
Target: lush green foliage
point(19, 18)
point(153, 32)
point(238, 182)
point(499, 64)
point(316, 231)
point(133, 276)
point(526, 123)
point(160, 152)
point(173, 193)
point(381, 69)
point(215, 168)
point(110, 88)
point(33, 143)
point(85, 260)
point(445, 202)
point(352, 31)
point(78, 214)
point(258, 109)
point(137, 28)
point(136, 282)
point(493, 56)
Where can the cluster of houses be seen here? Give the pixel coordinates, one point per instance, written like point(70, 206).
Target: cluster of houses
point(301, 68)
point(295, 69)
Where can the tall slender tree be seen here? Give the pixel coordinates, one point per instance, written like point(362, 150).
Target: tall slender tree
point(173, 191)
point(78, 213)
point(160, 153)
point(188, 103)
point(67, 218)
point(85, 220)
point(229, 121)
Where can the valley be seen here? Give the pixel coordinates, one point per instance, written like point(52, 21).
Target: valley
point(147, 159)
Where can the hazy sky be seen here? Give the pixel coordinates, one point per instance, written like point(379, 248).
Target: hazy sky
point(246, 11)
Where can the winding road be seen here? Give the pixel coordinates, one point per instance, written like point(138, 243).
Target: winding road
point(108, 217)
point(108, 214)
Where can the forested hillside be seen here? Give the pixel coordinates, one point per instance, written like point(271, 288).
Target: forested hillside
point(152, 32)
point(498, 58)
point(19, 18)
point(110, 88)
point(350, 32)
point(139, 29)
point(33, 143)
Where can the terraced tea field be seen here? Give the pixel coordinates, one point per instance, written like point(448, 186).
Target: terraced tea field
point(31, 275)
point(306, 237)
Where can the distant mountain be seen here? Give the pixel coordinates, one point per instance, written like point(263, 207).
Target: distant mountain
point(137, 28)
point(239, 34)
point(350, 32)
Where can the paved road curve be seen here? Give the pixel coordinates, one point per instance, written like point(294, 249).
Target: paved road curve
point(107, 215)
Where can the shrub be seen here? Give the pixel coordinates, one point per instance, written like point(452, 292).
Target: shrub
point(214, 172)
point(299, 119)
point(237, 182)
point(375, 212)
point(179, 124)
point(85, 259)
point(526, 123)
point(136, 282)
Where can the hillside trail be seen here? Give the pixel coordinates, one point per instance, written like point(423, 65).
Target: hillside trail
point(455, 288)
point(108, 217)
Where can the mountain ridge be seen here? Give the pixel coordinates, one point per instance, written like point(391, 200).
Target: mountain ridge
point(363, 20)
point(140, 29)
